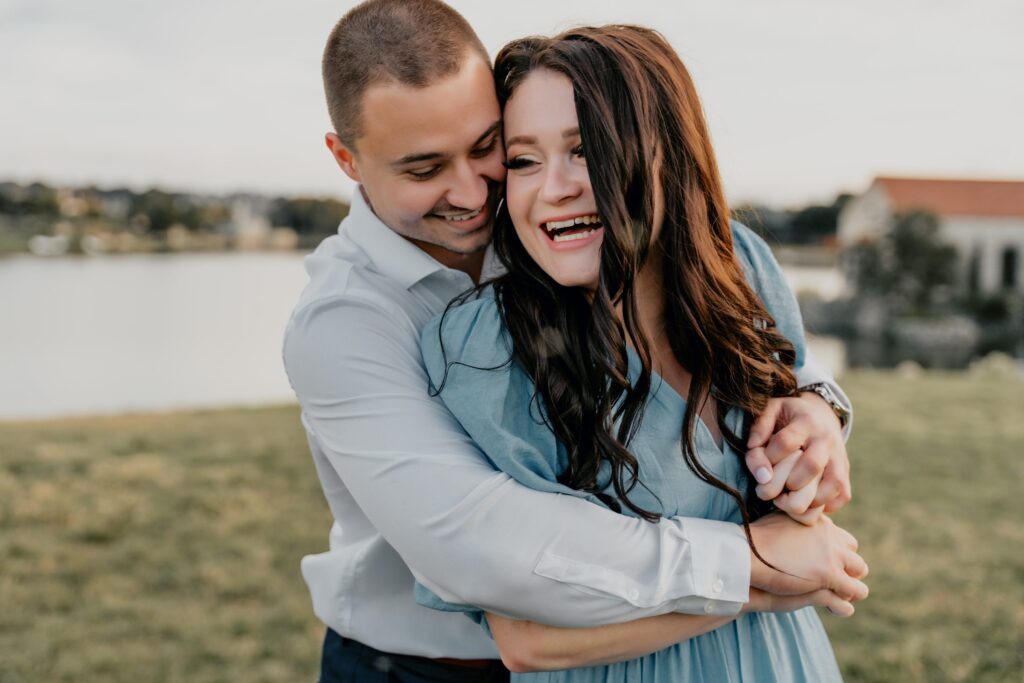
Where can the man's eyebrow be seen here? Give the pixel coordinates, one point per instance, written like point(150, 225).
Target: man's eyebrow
point(488, 133)
point(420, 157)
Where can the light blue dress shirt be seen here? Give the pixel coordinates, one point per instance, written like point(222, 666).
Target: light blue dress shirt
point(495, 408)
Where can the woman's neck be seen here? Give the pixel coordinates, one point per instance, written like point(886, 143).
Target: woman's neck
point(650, 299)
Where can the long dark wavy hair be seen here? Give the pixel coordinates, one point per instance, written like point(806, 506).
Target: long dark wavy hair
point(644, 134)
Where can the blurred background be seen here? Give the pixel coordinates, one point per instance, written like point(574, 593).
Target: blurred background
point(162, 173)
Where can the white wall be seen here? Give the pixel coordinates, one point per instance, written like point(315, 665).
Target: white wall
point(991, 236)
point(864, 217)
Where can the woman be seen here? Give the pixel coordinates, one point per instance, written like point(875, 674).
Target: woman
point(626, 290)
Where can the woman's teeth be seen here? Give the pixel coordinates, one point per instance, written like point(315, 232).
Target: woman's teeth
point(551, 226)
point(574, 236)
point(568, 230)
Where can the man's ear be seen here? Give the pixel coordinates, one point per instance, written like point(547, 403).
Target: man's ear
point(343, 156)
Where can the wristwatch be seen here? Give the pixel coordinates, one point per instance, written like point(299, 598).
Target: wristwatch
point(825, 391)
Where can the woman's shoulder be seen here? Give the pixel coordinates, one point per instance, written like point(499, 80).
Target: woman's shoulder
point(469, 332)
point(753, 252)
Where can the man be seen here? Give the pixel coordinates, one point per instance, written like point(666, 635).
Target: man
point(417, 124)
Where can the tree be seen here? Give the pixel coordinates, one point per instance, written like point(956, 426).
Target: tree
point(909, 267)
point(308, 216)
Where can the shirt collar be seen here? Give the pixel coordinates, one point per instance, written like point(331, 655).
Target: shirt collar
point(391, 254)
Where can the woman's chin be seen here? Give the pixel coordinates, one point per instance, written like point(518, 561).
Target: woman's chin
point(575, 280)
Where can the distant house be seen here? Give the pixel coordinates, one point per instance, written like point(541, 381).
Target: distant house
point(983, 219)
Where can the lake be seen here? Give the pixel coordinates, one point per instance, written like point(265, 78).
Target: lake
point(94, 335)
point(143, 332)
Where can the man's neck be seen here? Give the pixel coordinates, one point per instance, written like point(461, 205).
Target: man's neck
point(470, 264)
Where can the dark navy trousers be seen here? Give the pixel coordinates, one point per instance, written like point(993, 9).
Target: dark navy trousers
point(348, 661)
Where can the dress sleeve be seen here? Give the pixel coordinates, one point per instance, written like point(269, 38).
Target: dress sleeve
point(468, 357)
point(766, 278)
point(765, 275)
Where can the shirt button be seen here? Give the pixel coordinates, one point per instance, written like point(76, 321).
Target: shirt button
point(633, 594)
point(709, 607)
point(718, 585)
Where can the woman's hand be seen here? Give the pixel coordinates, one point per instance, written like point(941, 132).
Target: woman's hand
point(804, 432)
point(808, 558)
point(796, 504)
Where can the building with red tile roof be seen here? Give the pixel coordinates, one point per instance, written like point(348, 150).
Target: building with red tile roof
point(983, 219)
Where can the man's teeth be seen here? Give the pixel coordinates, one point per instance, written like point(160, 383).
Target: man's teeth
point(570, 222)
point(574, 236)
point(464, 216)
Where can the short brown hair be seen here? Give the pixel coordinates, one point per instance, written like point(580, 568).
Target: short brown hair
point(412, 42)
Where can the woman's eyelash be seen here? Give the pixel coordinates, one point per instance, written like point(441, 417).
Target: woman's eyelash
point(518, 162)
point(578, 151)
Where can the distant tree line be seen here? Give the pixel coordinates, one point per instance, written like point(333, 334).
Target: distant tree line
point(38, 208)
point(815, 224)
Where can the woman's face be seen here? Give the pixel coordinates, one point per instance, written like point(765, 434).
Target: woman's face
point(548, 190)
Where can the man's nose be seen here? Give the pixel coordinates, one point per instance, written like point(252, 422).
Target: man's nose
point(469, 188)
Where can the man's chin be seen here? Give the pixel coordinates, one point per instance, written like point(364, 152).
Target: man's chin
point(471, 242)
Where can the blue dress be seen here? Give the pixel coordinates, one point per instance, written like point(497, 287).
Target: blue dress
point(495, 408)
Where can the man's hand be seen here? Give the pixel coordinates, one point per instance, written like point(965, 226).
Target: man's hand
point(807, 558)
point(798, 457)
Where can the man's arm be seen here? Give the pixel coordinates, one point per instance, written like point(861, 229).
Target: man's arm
point(469, 532)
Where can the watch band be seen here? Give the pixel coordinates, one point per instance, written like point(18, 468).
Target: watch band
point(825, 392)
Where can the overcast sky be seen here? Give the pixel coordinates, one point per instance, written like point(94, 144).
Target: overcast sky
point(805, 98)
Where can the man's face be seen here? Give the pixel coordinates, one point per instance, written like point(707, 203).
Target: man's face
point(430, 160)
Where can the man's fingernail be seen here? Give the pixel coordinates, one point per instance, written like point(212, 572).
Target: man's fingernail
point(762, 475)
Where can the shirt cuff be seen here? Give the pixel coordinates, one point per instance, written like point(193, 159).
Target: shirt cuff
point(721, 568)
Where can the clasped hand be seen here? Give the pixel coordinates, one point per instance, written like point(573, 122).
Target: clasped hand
point(798, 457)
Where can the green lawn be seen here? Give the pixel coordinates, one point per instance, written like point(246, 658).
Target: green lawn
point(165, 548)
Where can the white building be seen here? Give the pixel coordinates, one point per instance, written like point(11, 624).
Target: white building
point(983, 219)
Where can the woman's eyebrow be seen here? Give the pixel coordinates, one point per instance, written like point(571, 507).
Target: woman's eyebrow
point(521, 139)
point(531, 140)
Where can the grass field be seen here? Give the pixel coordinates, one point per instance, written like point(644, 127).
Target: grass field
point(165, 548)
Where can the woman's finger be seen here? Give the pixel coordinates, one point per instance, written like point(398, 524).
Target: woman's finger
point(810, 467)
point(800, 499)
point(828, 490)
point(759, 465)
point(849, 588)
point(848, 539)
point(782, 469)
point(764, 425)
point(856, 566)
point(835, 605)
